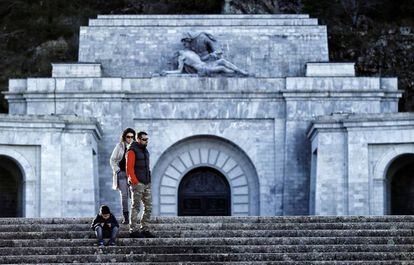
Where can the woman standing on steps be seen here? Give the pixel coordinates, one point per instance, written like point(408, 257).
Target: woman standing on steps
point(118, 164)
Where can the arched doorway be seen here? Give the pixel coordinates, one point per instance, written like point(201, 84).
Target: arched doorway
point(400, 175)
point(214, 153)
point(204, 191)
point(11, 188)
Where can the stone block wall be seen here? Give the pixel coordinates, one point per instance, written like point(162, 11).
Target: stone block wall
point(291, 104)
point(55, 156)
point(353, 155)
point(274, 46)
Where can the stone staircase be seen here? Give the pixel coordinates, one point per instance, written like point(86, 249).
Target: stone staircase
point(215, 240)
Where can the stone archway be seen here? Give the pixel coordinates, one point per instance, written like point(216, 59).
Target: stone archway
point(400, 176)
point(382, 175)
point(30, 190)
point(11, 188)
point(205, 151)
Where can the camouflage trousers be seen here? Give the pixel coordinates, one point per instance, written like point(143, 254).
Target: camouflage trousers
point(140, 192)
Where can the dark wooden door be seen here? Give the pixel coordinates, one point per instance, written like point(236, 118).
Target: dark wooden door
point(204, 191)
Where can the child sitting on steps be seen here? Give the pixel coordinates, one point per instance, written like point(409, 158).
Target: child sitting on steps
point(105, 225)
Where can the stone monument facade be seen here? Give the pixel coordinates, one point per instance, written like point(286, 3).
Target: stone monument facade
point(296, 135)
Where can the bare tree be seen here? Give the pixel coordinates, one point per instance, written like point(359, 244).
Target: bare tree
point(355, 8)
point(251, 7)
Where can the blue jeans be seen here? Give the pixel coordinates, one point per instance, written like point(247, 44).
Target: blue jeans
point(101, 233)
point(123, 190)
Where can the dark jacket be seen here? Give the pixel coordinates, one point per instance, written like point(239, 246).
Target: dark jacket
point(138, 169)
point(99, 219)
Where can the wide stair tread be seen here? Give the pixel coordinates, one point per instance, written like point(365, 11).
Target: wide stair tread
point(212, 257)
point(215, 240)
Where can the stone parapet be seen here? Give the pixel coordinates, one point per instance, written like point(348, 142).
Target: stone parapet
point(333, 83)
point(390, 83)
point(169, 84)
point(130, 22)
point(330, 69)
point(205, 17)
point(17, 85)
point(185, 83)
point(76, 70)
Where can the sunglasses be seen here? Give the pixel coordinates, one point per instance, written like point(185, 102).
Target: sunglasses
point(144, 139)
point(129, 137)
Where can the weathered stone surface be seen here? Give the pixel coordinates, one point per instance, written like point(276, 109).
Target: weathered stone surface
point(330, 69)
point(264, 50)
point(220, 240)
point(53, 139)
point(76, 70)
point(348, 176)
point(253, 129)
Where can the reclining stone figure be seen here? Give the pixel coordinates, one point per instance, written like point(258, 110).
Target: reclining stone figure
point(204, 44)
point(190, 62)
point(211, 63)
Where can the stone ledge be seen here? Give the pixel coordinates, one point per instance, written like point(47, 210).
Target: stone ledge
point(344, 121)
point(345, 117)
point(76, 70)
point(17, 85)
point(333, 83)
point(123, 22)
point(324, 69)
point(174, 17)
point(57, 122)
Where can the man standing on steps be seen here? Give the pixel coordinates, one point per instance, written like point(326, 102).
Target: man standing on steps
point(139, 177)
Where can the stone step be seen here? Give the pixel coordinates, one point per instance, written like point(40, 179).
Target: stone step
point(225, 219)
point(196, 257)
point(200, 249)
point(217, 233)
point(217, 226)
point(223, 17)
point(215, 240)
point(130, 22)
point(212, 241)
point(254, 263)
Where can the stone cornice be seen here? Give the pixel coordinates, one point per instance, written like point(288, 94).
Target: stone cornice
point(51, 122)
point(351, 122)
point(191, 87)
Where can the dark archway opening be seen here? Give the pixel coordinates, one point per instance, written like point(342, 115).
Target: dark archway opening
point(401, 176)
point(11, 188)
point(204, 191)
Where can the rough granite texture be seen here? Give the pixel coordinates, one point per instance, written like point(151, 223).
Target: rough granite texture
point(215, 240)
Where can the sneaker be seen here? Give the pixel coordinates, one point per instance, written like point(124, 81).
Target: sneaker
point(136, 234)
point(101, 243)
point(148, 234)
point(111, 243)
